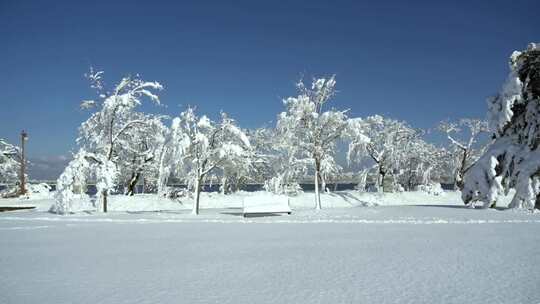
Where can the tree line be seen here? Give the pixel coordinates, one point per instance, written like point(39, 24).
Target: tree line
point(118, 145)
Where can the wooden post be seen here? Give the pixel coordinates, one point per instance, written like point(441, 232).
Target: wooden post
point(24, 138)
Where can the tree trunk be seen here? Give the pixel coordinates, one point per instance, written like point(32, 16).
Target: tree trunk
point(461, 172)
point(410, 180)
point(143, 185)
point(223, 185)
point(382, 174)
point(317, 190)
point(460, 184)
point(163, 174)
point(456, 178)
point(197, 195)
point(323, 183)
point(317, 193)
point(133, 183)
point(104, 194)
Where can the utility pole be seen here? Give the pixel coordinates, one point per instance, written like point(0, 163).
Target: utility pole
point(24, 138)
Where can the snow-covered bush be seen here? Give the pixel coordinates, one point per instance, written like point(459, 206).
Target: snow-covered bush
point(276, 185)
point(71, 185)
point(41, 190)
point(513, 160)
point(431, 188)
point(309, 131)
point(176, 193)
point(106, 175)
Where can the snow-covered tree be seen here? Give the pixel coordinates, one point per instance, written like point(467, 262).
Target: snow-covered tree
point(10, 166)
point(310, 130)
point(9, 162)
point(420, 164)
point(71, 185)
point(140, 158)
point(200, 145)
point(275, 163)
point(110, 128)
point(512, 161)
point(235, 172)
point(330, 171)
point(383, 140)
point(464, 137)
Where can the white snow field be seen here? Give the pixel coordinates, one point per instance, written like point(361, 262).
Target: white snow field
point(428, 249)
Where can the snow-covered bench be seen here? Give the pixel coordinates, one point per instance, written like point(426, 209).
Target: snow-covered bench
point(266, 204)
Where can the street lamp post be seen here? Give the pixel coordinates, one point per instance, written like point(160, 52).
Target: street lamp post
point(24, 138)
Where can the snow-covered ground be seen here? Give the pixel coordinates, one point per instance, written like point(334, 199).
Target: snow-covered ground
point(363, 248)
point(213, 200)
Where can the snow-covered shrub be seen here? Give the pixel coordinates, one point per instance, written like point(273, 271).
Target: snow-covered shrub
point(106, 174)
point(276, 186)
point(71, 185)
point(41, 190)
point(432, 188)
point(273, 185)
point(513, 160)
point(176, 193)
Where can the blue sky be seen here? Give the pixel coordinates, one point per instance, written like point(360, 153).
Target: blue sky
point(420, 61)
